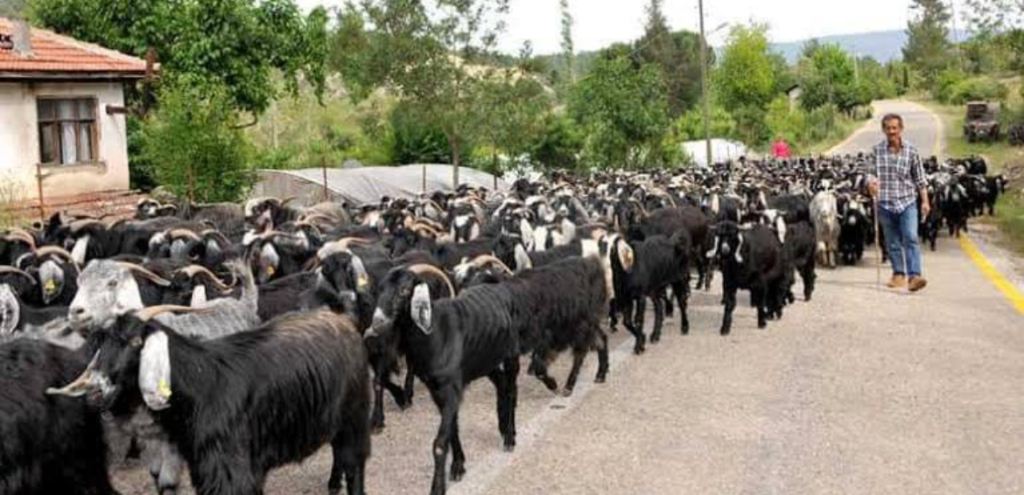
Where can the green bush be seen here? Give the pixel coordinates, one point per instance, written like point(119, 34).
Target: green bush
point(790, 124)
point(821, 122)
point(956, 88)
point(559, 145)
point(690, 127)
point(194, 144)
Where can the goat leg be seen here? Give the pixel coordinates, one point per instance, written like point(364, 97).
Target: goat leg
point(458, 456)
point(631, 325)
point(578, 355)
point(409, 387)
point(446, 397)
point(602, 357)
point(682, 293)
point(729, 300)
point(659, 318)
point(539, 368)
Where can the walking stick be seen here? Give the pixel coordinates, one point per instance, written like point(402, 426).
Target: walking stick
point(878, 247)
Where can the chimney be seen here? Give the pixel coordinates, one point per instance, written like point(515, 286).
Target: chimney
point(22, 38)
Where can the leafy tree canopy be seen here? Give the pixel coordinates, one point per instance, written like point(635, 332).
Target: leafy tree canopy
point(237, 44)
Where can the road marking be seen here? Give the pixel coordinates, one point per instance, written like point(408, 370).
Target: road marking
point(1005, 286)
point(481, 475)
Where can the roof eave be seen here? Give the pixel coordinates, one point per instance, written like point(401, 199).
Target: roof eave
point(70, 76)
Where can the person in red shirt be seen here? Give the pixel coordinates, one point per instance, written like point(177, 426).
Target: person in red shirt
point(781, 148)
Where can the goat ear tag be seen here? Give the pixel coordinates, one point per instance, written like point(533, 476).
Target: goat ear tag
point(155, 372)
point(420, 308)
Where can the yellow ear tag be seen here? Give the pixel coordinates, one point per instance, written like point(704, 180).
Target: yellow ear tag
point(271, 270)
point(50, 286)
point(163, 389)
point(362, 282)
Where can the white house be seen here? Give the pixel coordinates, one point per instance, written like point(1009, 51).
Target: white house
point(62, 113)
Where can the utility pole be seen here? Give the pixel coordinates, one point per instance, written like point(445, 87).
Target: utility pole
point(704, 83)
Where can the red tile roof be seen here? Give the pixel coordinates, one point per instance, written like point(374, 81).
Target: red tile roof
point(53, 53)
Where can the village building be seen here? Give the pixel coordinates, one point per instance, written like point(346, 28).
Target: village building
point(62, 114)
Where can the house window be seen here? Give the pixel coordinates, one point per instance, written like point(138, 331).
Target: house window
point(67, 131)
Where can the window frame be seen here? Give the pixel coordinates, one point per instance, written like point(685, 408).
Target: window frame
point(57, 136)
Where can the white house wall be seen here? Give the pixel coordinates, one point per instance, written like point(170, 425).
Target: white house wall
point(19, 140)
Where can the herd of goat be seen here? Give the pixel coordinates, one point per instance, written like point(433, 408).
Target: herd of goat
point(237, 338)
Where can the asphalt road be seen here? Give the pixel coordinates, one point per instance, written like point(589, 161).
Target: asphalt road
point(861, 391)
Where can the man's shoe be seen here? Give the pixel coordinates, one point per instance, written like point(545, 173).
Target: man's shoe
point(897, 282)
point(917, 283)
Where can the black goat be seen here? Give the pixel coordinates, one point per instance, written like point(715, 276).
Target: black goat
point(750, 259)
point(645, 271)
point(238, 406)
point(798, 254)
point(853, 233)
point(48, 444)
point(449, 343)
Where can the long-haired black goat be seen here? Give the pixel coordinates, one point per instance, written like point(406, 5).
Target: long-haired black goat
point(238, 406)
point(449, 343)
point(47, 444)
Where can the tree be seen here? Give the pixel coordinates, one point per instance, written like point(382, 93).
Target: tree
point(623, 109)
point(568, 50)
point(676, 54)
point(744, 81)
point(431, 59)
point(515, 105)
point(13, 8)
point(237, 44)
point(928, 46)
point(744, 77)
point(994, 16)
point(559, 144)
point(194, 145)
point(829, 76)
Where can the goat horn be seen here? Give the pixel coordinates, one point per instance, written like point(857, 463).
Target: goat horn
point(217, 235)
point(58, 252)
point(484, 259)
point(425, 269)
point(340, 245)
point(21, 235)
point(193, 270)
point(152, 277)
point(4, 270)
point(190, 235)
point(146, 314)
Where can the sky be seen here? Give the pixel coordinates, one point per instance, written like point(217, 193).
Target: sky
point(599, 23)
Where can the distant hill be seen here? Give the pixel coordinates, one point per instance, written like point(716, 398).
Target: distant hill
point(882, 46)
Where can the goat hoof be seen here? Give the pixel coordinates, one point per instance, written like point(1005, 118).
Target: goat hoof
point(550, 383)
point(377, 429)
point(566, 392)
point(655, 339)
point(724, 332)
point(457, 473)
point(762, 325)
point(509, 447)
point(600, 379)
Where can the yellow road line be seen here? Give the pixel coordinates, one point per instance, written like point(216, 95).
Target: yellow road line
point(1005, 286)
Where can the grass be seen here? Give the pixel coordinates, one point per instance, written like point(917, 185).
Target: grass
point(1001, 158)
point(1010, 219)
point(844, 127)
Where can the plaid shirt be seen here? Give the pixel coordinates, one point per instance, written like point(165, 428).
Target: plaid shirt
point(900, 176)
